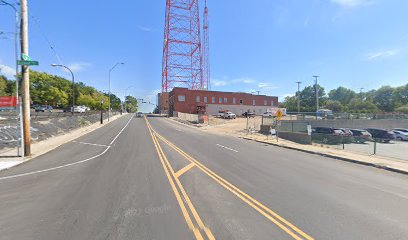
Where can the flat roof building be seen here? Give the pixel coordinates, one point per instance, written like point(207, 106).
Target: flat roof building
point(212, 102)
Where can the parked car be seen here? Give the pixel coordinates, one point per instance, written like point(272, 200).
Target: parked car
point(43, 108)
point(327, 135)
point(268, 114)
point(381, 135)
point(400, 135)
point(248, 114)
point(361, 136)
point(78, 109)
point(400, 129)
point(229, 115)
point(346, 131)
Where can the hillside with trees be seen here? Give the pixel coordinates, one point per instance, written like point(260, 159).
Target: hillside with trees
point(56, 91)
point(341, 99)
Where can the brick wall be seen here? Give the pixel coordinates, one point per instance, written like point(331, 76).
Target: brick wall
point(195, 101)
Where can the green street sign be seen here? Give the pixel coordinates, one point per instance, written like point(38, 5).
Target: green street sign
point(25, 57)
point(27, 63)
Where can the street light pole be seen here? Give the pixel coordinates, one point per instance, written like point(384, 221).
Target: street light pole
point(110, 70)
point(298, 97)
point(16, 58)
point(317, 92)
point(73, 84)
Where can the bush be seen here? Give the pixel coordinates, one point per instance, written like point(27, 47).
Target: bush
point(402, 109)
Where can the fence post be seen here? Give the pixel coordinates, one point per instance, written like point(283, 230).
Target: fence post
point(375, 146)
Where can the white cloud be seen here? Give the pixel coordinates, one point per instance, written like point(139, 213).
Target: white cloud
point(79, 66)
point(383, 54)
point(266, 86)
point(145, 29)
point(7, 71)
point(219, 83)
point(352, 3)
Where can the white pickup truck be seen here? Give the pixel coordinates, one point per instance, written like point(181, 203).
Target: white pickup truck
point(229, 115)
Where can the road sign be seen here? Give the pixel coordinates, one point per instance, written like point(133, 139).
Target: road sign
point(8, 101)
point(25, 57)
point(27, 63)
point(279, 114)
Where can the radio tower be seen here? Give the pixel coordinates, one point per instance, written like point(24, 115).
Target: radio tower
point(182, 59)
point(206, 51)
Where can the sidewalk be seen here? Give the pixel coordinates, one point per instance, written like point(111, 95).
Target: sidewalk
point(390, 164)
point(40, 148)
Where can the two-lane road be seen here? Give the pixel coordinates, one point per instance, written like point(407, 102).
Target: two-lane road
point(157, 179)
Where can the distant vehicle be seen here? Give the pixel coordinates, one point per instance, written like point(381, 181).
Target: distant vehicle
point(79, 109)
point(43, 108)
point(284, 111)
point(381, 135)
point(229, 115)
point(327, 135)
point(85, 107)
point(361, 136)
point(400, 135)
point(269, 114)
point(67, 109)
point(139, 114)
point(325, 113)
point(248, 114)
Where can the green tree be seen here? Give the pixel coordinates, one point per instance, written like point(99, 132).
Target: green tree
point(308, 98)
point(3, 85)
point(335, 106)
point(402, 109)
point(358, 106)
point(383, 99)
point(342, 95)
point(131, 104)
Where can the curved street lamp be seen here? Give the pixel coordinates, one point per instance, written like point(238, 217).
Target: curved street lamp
point(110, 70)
point(73, 83)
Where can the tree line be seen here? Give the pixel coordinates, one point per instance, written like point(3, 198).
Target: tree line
point(47, 89)
point(341, 99)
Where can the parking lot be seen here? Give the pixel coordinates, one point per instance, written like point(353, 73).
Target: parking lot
point(394, 149)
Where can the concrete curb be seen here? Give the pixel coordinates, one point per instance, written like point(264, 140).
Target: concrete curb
point(391, 169)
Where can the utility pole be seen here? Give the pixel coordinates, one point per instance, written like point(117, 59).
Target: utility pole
point(25, 72)
point(317, 93)
point(298, 97)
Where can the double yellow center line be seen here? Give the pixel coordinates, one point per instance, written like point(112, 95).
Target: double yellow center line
point(177, 189)
point(279, 221)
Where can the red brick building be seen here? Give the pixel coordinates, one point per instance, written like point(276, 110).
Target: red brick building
point(212, 102)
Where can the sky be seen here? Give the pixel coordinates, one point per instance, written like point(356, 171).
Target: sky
point(255, 45)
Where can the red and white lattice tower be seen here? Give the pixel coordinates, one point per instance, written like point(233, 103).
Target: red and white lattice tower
point(206, 50)
point(182, 59)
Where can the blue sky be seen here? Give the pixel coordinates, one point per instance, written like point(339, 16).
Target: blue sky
point(264, 45)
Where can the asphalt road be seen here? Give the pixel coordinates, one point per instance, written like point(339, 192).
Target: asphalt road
point(159, 179)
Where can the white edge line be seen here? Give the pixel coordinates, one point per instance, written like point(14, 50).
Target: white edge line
point(92, 144)
point(121, 131)
point(70, 164)
point(55, 168)
point(219, 145)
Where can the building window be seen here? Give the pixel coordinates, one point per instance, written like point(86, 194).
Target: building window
point(253, 102)
point(272, 103)
point(240, 101)
point(205, 99)
point(220, 100)
point(198, 99)
point(181, 98)
point(234, 101)
point(225, 100)
point(213, 99)
point(265, 103)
